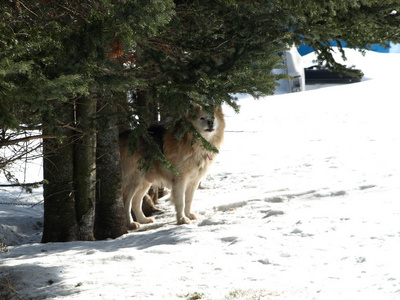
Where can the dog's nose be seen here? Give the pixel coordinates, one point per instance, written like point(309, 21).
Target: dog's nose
point(210, 123)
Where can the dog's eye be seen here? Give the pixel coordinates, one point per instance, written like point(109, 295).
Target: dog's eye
point(202, 118)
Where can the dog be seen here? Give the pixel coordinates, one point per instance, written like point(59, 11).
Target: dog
point(190, 160)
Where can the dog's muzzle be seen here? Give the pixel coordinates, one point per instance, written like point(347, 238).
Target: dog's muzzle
point(210, 124)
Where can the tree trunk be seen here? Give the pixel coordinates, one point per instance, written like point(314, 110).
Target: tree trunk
point(59, 202)
point(110, 219)
point(85, 167)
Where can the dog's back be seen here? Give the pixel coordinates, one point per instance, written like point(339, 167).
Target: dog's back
point(131, 173)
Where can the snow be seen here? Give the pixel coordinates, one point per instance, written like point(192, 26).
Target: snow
point(302, 203)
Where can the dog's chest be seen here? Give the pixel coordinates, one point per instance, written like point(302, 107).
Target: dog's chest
point(199, 164)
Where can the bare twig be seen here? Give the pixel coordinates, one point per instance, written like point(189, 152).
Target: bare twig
point(26, 139)
point(21, 3)
point(24, 184)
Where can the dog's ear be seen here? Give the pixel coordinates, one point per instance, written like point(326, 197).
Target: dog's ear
point(194, 111)
point(218, 111)
point(219, 114)
point(197, 108)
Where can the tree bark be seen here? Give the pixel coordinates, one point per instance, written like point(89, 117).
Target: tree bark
point(85, 167)
point(110, 219)
point(59, 201)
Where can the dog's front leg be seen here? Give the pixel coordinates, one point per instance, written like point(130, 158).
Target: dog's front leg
point(189, 193)
point(178, 197)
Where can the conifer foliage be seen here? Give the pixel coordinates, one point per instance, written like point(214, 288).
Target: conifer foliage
point(81, 71)
point(62, 64)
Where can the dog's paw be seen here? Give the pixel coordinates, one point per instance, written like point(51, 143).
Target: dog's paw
point(192, 216)
point(133, 225)
point(183, 220)
point(146, 220)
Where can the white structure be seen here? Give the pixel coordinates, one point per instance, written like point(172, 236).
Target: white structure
point(295, 70)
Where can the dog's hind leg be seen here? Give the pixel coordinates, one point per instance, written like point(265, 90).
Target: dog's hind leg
point(134, 202)
point(128, 208)
point(137, 204)
point(189, 193)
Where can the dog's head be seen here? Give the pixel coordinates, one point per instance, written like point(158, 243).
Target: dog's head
point(208, 121)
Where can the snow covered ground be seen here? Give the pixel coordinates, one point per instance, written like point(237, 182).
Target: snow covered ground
point(302, 203)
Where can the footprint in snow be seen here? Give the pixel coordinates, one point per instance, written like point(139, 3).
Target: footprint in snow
point(271, 213)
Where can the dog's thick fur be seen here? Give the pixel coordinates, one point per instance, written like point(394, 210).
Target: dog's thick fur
point(191, 162)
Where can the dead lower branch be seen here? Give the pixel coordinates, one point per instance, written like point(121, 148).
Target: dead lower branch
point(25, 139)
point(31, 184)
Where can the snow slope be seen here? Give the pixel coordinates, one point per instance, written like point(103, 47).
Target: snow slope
point(302, 203)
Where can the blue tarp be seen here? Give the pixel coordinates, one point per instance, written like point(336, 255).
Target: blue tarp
point(392, 48)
